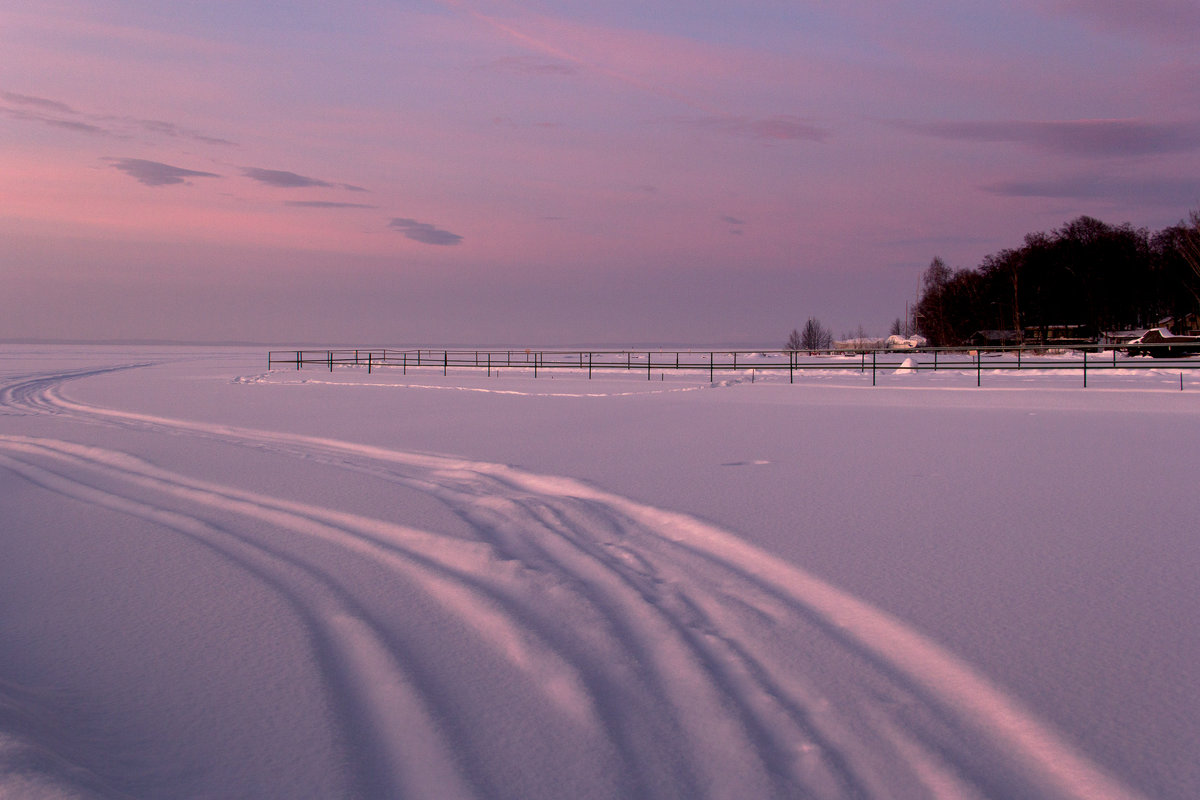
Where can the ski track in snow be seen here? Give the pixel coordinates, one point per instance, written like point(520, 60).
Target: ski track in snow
point(693, 662)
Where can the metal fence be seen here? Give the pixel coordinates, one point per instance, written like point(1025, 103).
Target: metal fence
point(715, 362)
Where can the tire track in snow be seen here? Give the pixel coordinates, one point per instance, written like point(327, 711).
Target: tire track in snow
point(410, 755)
point(684, 617)
point(29, 394)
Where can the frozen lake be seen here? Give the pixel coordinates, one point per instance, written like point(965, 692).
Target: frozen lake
point(226, 581)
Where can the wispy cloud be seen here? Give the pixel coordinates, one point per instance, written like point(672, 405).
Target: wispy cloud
point(283, 179)
point(777, 128)
point(36, 102)
point(1085, 138)
point(424, 232)
point(26, 115)
point(56, 114)
point(534, 65)
point(325, 204)
point(1168, 192)
point(735, 224)
point(172, 130)
point(154, 173)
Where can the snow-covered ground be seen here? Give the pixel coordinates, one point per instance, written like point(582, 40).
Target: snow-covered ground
point(223, 581)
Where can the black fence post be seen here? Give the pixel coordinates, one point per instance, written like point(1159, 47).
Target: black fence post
point(370, 358)
point(1085, 369)
point(710, 367)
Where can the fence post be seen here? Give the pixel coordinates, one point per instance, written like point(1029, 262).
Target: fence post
point(589, 365)
point(445, 361)
point(978, 367)
point(710, 367)
point(405, 362)
point(370, 357)
point(791, 366)
point(331, 361)
point(648, 365)
point(297, 359)
point(872, 367)
point(1085, 369)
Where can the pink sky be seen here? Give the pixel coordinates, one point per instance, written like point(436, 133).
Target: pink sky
point(561, 172)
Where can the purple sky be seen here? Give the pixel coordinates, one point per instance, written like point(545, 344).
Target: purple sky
point(565, 172)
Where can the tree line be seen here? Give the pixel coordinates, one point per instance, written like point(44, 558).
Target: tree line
point(1087, 277)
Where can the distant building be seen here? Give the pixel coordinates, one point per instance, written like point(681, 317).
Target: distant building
point(994, 338)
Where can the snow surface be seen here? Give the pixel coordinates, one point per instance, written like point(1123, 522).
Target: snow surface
point(224, 581)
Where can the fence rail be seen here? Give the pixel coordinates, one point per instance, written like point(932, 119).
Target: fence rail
point(1091, 358)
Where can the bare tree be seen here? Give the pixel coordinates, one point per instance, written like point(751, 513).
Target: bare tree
point(794, 343)
point(1190, 242)
point(815, 336)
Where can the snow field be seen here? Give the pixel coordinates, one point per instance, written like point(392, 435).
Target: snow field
point(549, 635)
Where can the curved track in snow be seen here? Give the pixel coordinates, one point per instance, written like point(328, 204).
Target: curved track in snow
point(645, 653)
